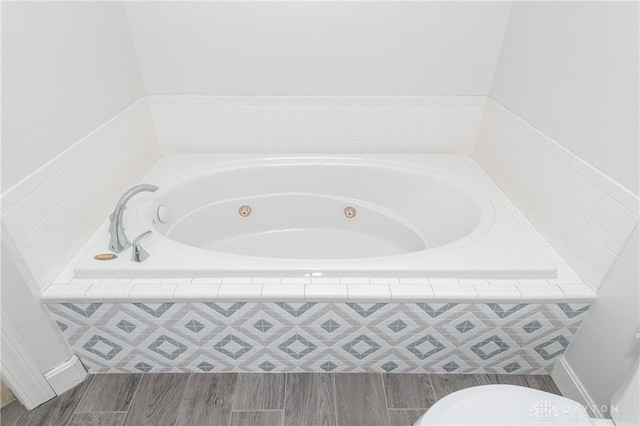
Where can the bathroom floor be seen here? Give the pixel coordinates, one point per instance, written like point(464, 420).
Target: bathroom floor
point(254, 399)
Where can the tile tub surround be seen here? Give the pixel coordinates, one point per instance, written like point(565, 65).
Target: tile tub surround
point(501, 338)
point(584, 214)
point(128, 316)
point(318, 124)
point(49, 215)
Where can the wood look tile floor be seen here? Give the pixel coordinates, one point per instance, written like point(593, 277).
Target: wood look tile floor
point(230, 399)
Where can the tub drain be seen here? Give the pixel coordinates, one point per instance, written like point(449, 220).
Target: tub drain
point(350, 212)
point(244, 211)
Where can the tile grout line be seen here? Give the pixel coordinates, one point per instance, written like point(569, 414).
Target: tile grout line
point(235, 394)
point(335, 397)
point(129, 406)
point(386, 399)
point(284, 396)
point(135, 392)
point(433, 388)
point(184, 396)
point(75, 409)
point(408, 409)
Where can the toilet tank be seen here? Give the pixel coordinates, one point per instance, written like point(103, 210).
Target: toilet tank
point(625, 404)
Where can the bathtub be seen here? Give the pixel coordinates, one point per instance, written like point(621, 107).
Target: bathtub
point(328, 263)
point(321, 215)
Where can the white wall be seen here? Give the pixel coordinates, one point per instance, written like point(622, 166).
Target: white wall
point(571, 70)
point(29, 318)
point(604, 349)
point(76, 133)
point(317, 48)
point(67, 67)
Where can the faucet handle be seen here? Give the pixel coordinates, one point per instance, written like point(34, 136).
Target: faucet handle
point(138, 253)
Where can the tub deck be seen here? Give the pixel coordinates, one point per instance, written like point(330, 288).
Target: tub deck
point(502, 244)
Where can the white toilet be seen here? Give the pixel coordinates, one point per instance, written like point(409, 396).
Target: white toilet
point(516, 405)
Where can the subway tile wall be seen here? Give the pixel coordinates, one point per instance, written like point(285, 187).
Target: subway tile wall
point(51, 214)
point(586, 216)
point(334, 124)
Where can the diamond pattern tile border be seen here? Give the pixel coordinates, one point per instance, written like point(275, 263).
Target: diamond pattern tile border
point(319, 337)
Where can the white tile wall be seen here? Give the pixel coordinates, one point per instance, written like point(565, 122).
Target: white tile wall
point(585, 215)
point(384, 124)
point(52, 213)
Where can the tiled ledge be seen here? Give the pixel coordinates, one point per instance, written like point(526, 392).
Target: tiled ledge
point(269, 289)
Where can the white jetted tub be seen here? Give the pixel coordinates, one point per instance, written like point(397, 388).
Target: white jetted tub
point(391, 215)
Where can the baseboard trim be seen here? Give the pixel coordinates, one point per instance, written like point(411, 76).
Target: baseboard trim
point(19, 370)
point(66, 375)
point(571, 387)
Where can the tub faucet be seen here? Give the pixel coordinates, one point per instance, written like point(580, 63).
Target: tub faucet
point(118, 240)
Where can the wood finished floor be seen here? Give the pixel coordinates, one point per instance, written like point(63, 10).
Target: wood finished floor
point(230, 399)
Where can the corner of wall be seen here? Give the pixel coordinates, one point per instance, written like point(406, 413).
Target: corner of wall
point(586, 216)
point(571, 387)
point(589, 219)
point(66, 375)
point(50, 214)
